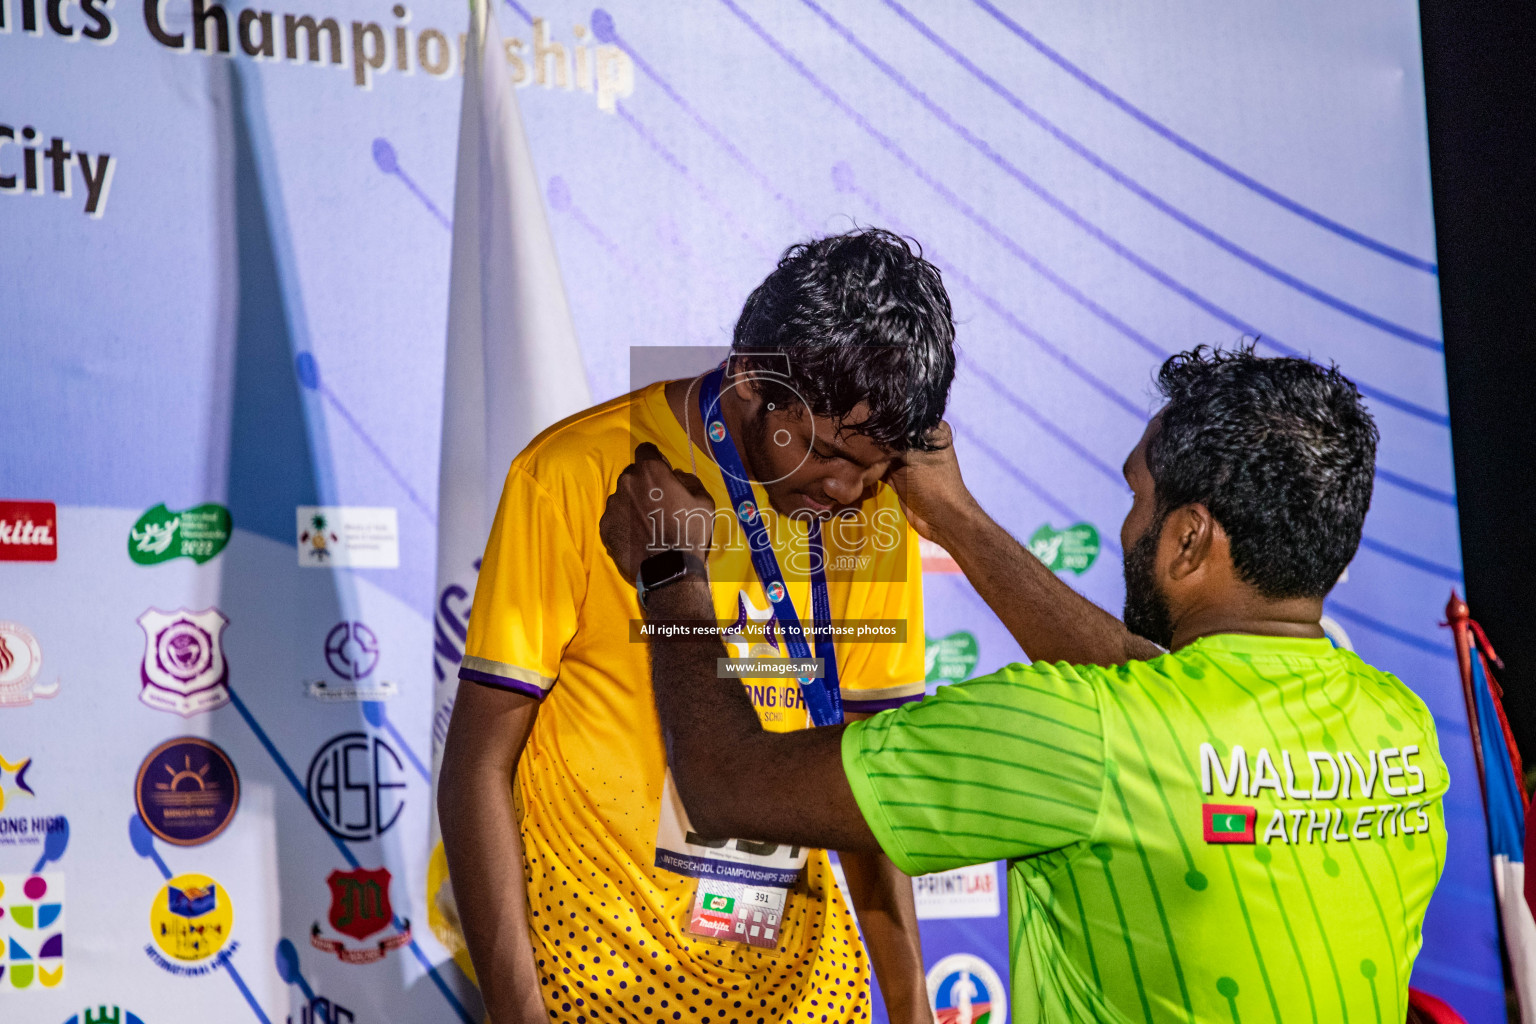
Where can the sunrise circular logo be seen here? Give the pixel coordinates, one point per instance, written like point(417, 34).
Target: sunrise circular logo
point(187, 790)
point(964, 989)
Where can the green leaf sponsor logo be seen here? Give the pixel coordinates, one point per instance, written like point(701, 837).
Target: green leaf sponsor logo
point(196, 533)
point(719, 904)
point(951, 658)
point(1075, 548)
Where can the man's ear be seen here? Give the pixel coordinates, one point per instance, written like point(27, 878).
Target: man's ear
point(1190, 533)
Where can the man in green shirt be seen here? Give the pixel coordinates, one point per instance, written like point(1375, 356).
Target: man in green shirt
point(1209, 812)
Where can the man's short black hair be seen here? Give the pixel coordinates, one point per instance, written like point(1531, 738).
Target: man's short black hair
point(1281, 451)
point(860, 317)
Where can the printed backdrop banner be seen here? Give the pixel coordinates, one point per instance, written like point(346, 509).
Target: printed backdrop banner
point(223, 318)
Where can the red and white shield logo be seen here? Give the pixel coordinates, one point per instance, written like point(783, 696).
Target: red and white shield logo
point(360, 901)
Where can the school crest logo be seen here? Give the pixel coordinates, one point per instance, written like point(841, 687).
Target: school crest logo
point(184, 669)
point(187, 790)
point(21, 659)
point(360, 909)
point(190, 922)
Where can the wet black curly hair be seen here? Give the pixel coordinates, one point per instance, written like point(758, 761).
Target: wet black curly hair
point(857, 317)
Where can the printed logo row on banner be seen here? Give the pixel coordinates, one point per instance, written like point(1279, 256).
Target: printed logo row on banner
point(187, 791)
point(183, 670)
point(332, 536)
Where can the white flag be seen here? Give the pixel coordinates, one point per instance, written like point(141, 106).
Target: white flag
point(513, 365)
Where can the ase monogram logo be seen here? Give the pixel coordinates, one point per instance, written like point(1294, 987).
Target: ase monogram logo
point(354, 786)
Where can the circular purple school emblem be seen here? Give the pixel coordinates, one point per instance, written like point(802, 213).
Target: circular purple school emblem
point(183, 649)
point(187, 790)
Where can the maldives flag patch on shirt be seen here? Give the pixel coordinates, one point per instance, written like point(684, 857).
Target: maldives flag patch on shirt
point(1229, 823)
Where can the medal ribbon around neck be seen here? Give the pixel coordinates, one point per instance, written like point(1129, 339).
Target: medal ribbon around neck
point(823, 698)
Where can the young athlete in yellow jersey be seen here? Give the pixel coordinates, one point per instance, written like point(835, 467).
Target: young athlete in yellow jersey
point(583, 891)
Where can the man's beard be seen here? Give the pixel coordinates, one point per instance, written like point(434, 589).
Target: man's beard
point(1146, 609)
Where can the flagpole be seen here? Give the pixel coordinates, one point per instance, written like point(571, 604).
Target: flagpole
point(1458, 616)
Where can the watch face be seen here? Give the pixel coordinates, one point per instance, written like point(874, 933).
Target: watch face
point(662, 568)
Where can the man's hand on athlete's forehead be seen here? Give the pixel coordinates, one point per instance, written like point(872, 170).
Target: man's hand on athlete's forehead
point(654, 507)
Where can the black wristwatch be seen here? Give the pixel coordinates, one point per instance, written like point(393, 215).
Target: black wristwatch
point(665, 569)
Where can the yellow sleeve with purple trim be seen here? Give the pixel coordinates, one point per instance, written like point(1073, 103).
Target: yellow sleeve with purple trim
point(532, 582)
point(877, 674)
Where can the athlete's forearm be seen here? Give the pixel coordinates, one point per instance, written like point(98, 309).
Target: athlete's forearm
point(734, 778)
point(485, 861)
point(1050, 620)
point(484, 847)
point(882, 897)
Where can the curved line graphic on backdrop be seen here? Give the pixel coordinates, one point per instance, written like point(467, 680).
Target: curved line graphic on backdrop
point(605, 31)
point(1203, 155)
point(1114, 173)
point(842, 176)
point(346, 854)
point(1029, 259)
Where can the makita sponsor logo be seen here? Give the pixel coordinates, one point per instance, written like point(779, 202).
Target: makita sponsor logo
point(28, 531)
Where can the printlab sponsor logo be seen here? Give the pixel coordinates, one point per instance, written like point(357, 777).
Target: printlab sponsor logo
point(184, 670)
point(1075, 548)
point(348, 536)
point(320, 1010)
point(352, 652)
point(28, 529)
point(196, 533)
point(22, 826)
point(190, 922)
point(105, 1015)
point(964, 989)
point(1332, 776)
point(966, 892)
point(354, 786)
point(31, 930)
point(360, 909)
point(21, 659)
point(187, 791)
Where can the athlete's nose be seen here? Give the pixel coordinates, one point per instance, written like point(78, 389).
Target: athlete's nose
point(844, 488)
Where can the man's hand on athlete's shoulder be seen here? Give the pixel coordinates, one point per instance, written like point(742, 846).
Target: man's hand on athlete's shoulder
point(654, 507)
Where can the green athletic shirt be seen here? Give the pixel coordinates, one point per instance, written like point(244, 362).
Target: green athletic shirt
point(1247, 829)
